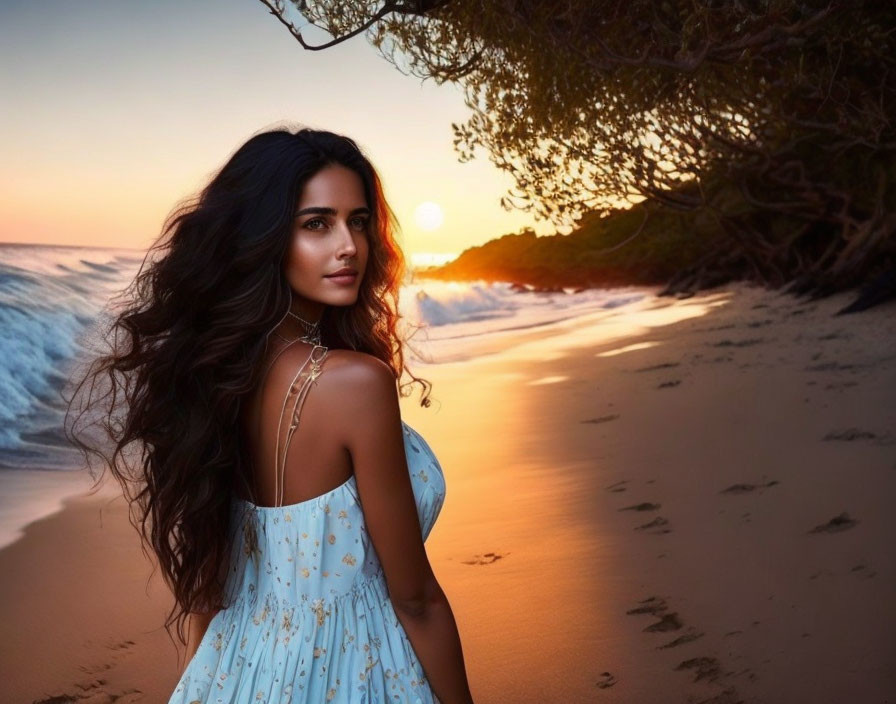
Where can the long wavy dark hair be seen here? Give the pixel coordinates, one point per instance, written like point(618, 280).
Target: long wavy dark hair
point(184, 350)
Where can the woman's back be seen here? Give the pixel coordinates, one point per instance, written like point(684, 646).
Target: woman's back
point(315, 458)
point(308, 616)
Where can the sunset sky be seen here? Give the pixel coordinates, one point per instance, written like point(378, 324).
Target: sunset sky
point(116, 110)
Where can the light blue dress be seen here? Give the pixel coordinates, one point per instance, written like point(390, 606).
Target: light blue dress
point(309, 616)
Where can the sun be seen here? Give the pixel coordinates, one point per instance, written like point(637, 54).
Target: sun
point(429, 216)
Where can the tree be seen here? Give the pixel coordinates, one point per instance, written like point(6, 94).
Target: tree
point(773, 118)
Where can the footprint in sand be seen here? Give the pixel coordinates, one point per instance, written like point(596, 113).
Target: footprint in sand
point(836, 524)
point(691, 635)
point(651, 605)
point(664, 365)
point(607, 681)
point(646, 506)
point(95, 669)
point(709, 668)
point(655, 606)
point(820, 573)
point(863, 571)
point(706, 668)
point(94, 691)
point(849, 435)
point(120, 649)
point(486, 559)
point(730, 695)
point(747, 488)
point(601, 419)
point(668, 622)
point(737, 343)
point(123, 645)
point(829, 367)
point(839, 385)
point(656, 523)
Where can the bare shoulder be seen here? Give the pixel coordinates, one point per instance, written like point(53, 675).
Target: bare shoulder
point(357, 362)
point(342, 366)
point(358, 373)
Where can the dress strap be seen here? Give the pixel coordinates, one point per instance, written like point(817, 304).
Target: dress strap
point(298, 390)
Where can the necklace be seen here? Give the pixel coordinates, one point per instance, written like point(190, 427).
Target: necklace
point(311, 334)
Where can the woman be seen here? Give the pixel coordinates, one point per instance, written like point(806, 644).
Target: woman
point(259, 379)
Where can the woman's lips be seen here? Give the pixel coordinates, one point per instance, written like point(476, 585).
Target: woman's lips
point(343, 279)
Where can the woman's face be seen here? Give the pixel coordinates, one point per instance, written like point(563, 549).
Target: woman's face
point(330, 233)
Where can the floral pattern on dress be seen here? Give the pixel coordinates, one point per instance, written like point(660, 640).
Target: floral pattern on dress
point(309, 617)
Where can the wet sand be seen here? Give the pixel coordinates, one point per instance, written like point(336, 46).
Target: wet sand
point(674, 501)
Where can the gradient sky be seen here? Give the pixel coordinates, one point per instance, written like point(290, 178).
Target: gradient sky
point(114, 111)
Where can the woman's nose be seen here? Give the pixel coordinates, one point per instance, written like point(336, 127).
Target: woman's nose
point(346, 241)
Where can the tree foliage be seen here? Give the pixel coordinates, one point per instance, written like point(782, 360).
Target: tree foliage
point(772, 118)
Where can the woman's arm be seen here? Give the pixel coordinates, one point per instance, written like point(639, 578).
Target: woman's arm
point(432, 630)
point(375, 439)
point(196, 630)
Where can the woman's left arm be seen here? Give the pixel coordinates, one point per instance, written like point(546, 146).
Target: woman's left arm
point(196, 630)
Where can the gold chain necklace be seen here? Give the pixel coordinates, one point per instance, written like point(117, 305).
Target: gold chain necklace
point(311, 334)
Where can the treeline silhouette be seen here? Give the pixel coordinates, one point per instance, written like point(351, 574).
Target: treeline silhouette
point(758, 137)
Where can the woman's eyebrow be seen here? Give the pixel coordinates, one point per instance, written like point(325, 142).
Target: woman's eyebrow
point(329, 211)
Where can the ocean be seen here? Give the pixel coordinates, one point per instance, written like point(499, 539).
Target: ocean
point(51, 296)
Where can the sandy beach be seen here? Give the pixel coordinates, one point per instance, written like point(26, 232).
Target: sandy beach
point(674, 501)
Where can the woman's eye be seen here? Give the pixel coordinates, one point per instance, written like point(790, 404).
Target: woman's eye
point(360, 223)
